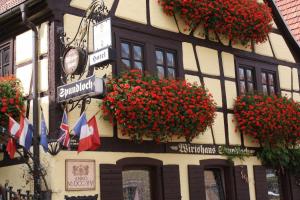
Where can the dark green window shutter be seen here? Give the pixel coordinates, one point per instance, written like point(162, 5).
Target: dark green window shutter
point(261, 188)
point(295, 186)
point(171, 182)
point(196, 182)
point(111, 182)
point(241, 182)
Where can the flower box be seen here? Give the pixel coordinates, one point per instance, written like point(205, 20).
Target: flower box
point(145, 106)
point(243, 20)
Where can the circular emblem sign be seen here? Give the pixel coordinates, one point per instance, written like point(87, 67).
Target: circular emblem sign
point(74, 61)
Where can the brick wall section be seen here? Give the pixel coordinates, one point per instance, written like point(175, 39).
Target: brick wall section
point(290, 10)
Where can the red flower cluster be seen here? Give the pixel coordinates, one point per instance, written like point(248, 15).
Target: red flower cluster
point(144, 105)
point(11, 99)
point(271, 120)
point(243, 20)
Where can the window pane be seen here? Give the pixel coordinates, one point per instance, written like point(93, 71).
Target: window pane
point(273, 185)
point(170, 60)
point(171, 73)
point(272, 90)
point(5, 70)
point(138, 54)
point(249, 75)
point(160, 72)
point(242, 87)
point(265, 90)
point(241, 74)
point(5, 57)
point(159, 57)
point(264, 78)
point(125, 52)
point(250, 87)
point(136, 185)
point(138, 65)
point(271, 79)
point(125, 64)
point(214, 184)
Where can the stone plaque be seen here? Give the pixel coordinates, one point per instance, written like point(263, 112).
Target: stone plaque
point(80, 175)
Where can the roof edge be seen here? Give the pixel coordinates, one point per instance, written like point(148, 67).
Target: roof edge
point(286, 32)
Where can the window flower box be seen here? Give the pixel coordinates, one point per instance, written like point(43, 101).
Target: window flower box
point(243, 20)
point(145, 106)
point(11, 99)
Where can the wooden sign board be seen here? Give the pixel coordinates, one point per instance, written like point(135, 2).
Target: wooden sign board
point(80, 175)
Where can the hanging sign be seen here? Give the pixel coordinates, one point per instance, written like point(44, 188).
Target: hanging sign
point(101, 57)
point(206, 149)
point(102, 35)
point(91, 87)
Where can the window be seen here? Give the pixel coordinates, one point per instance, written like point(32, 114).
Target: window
point(273, 185)
point(256, 76)
point(152, 54)
point(268, 83)
point(5, 59)
point(214, 184)
point(136, 184)
point(165, 63)
point(246, 80)
point(132, 56)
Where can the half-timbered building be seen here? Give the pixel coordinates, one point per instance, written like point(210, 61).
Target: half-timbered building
point(143, 35)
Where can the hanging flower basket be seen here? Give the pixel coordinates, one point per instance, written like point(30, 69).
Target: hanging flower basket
point(243, 20)
point(274, 122)
point(145, 106)
point(11, 99)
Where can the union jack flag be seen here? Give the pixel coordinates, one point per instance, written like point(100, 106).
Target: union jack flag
point(64, 139)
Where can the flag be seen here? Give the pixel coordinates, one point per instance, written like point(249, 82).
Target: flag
point(89, 139)
point(44, 139)
point(13, 126)
point(92, 123)
point(26, 133)
point(11, 148)
point(14, 129)
point(65, 137)
point(81, 129)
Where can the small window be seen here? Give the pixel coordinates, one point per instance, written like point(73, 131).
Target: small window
point(268, 83)
point(132, 56)
point(273, 184)
point(246, 80)
point(165, 63)
point(214, 184)
point(5, 59)
point(136, 184)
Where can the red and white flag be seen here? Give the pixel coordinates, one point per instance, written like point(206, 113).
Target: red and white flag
point(14, 130)
point(13, 127)
point(89, 140)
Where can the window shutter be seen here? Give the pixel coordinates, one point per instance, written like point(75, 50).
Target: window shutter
point(241, 182)
point(171, 182)
point(111, 182)
point(196, 182)
point(295, 186)
point(260, 179)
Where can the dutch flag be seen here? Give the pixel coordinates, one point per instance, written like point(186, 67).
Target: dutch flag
point(26, 132)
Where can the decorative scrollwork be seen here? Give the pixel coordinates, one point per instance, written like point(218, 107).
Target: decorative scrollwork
point(96, 12)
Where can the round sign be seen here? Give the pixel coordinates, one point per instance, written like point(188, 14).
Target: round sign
point(74, 61)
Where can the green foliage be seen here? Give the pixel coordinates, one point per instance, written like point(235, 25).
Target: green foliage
point(236, 153)
point(281, 158)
